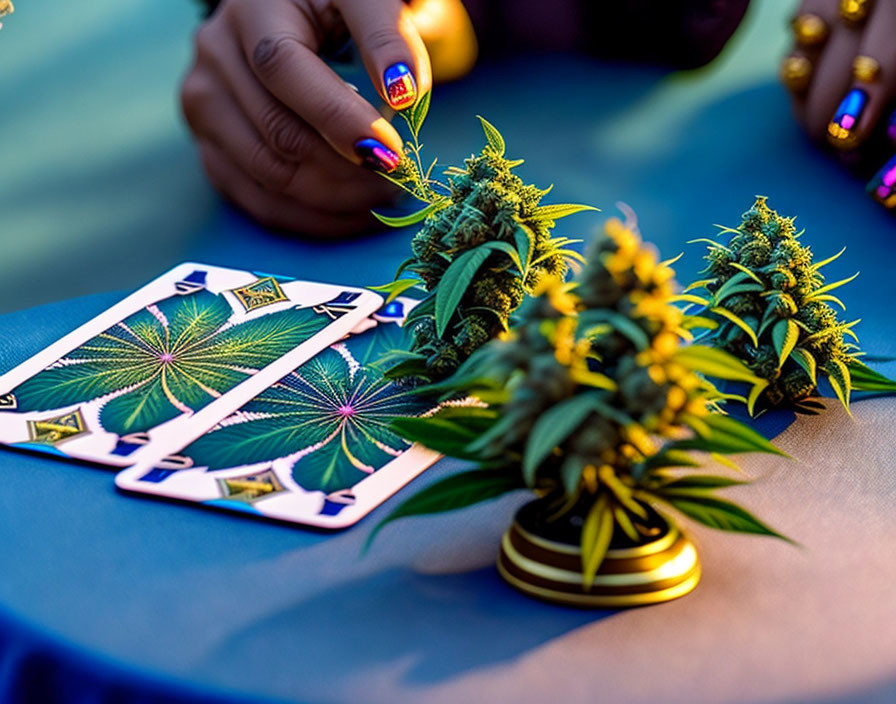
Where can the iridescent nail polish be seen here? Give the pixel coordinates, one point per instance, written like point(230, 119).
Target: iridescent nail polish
point(401, 88)
point(883, 186)
point(377, 156)
point(842, 129)
point(891, 127)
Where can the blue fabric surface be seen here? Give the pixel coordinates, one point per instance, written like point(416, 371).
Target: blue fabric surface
point(107, 598)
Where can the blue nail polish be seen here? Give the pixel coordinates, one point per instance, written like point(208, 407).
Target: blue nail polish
point(376, 155)
point(842, 128)
point(891, 127)
point(401, 88)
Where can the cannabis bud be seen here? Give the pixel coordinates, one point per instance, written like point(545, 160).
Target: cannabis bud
point(484, 245)
point(767, 303)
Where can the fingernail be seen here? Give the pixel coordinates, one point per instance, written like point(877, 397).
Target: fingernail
point(891, 127)
point(883, 186)
point(842, 129)
point(375, 155)
point(401, 88)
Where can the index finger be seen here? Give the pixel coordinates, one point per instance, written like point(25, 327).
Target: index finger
point(281, 47)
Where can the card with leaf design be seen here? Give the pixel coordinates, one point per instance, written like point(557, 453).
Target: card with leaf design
point(315, 448)
point(188, 348)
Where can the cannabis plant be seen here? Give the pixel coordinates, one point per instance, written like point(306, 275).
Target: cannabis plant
point(485, 243)
point(594, 403)
point(766, 302)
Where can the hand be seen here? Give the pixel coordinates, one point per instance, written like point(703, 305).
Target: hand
point(279, 132)
point(842, 75)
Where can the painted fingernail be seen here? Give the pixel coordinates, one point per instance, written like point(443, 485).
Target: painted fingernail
point(842, 129)
point(401, 88)
point(883, 186)
point(375, 155)
point(891, 127)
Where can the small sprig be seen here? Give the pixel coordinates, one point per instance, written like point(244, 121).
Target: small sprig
point(484, 245)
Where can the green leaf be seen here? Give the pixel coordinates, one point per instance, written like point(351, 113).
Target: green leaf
point(509, 251)
point(737, 290)
point(700, 483)
point(715, 363)
point(454, 284)
point(827, 261)
point(597, 532)
point(492, 136)
point(689, 298)
point(831, 287)
point(702, 283)
point(738, 321)
point(553, 427)
point(670, 458)
point(807, 361)
point(828, 298)
point(784, 336)
point(755, 393)
point(571, 473)
point(723, 434)
point(736, 281)
point(721, 514)
point(751, 274)
point(864, 378)
point(419, 112)
point(413, 218)
point(524, 239)
point(838, 376)
point(452, 493)
point(396, 288)
point(559, 210)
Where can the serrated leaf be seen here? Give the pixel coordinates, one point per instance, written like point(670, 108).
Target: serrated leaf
point(597, 532)
point(524, 239)
point(419, 113)
point(552, 428)
point(492, 136)
point(838, 376)
point(454, 284)
point(738, 321)
point(559, 210)
point(722, 515)
point(714, 362)
point(452, 493)
point(411, 219)
point(784, 337)
point(807, 361)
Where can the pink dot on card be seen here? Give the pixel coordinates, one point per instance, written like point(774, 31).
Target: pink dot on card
point(346, 410)
point(167, 357)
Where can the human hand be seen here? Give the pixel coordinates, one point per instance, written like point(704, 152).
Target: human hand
point(842, 76)
point(279, 132)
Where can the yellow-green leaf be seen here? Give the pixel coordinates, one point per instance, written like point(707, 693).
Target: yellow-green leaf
point(596, 536)
point(737, 320)
point(492, 136)
point(784, 336)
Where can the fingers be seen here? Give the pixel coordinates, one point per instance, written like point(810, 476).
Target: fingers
point(271, 209)
point(393, 52)
point(281, 47)
point(811, 27)
point(874, 75)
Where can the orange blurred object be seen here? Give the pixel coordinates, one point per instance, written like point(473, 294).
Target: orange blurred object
point(448, 33)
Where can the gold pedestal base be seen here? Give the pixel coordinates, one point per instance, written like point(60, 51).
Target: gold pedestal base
point(664, 567)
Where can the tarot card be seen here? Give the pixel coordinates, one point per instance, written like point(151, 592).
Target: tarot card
point(190, 347)
point(315, 448)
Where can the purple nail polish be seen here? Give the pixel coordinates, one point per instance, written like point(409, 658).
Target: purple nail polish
point(375, 155)
point(883, 186)
point(891, 127)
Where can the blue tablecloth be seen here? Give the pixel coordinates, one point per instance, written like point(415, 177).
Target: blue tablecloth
point(105, 597)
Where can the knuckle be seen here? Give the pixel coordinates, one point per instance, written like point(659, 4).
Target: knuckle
point(284, 133)
point(333, 111)
point(194, 94)
point(269, 170)
point(272, 52)
point(382, 38)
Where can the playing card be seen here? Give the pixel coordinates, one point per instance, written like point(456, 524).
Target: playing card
point(314, 448)
point(189, 347)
